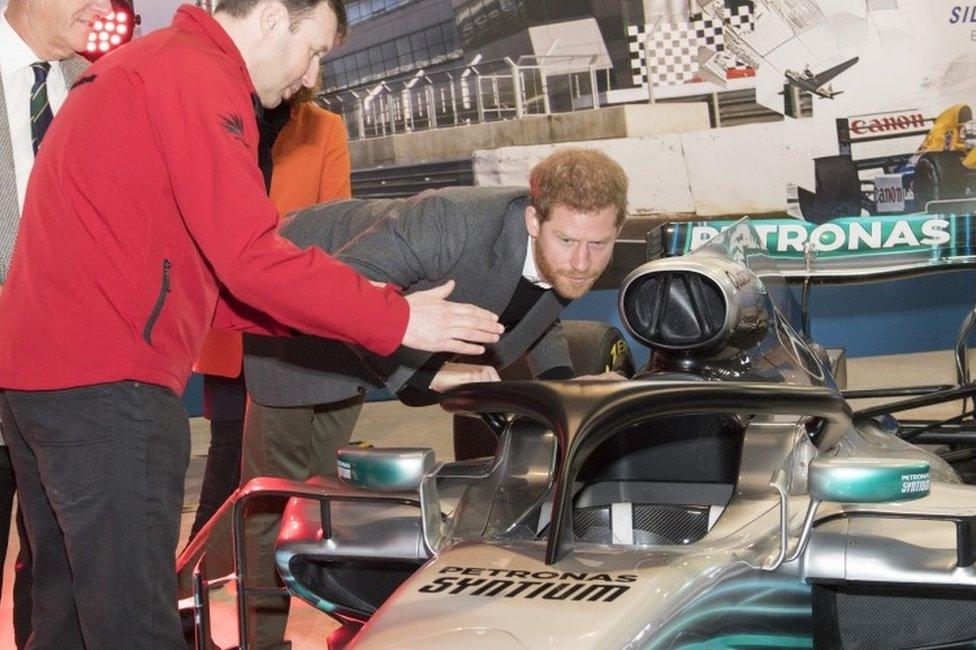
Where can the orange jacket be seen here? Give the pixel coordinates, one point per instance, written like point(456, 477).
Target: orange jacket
point(310, 164)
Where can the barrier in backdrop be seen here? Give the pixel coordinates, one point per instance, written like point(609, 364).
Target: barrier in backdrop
point(714, 172)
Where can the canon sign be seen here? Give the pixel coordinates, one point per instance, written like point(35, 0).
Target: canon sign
point(887, 123)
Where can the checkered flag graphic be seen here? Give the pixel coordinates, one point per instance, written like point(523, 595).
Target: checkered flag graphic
point(637, 39)
point(666, 54)
point(740, 15)
point(708, 32)
point(672, 49)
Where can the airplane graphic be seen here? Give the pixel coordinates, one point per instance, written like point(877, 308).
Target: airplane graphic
point(818, 84)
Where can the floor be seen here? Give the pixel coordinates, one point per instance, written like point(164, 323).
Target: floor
point(390, 424)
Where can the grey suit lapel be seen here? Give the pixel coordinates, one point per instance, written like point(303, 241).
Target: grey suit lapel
point(501, 283)
point(505, 268)
point(9, 209)
point(71, 68)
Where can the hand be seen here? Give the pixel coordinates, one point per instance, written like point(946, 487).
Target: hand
point(455, 374)
point(609, 375)
point(438, 325)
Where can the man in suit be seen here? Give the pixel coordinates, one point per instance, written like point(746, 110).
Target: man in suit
point(524, 254)
point(38, 40)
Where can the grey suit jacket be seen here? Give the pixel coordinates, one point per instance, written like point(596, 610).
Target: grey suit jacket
point(9, 209)
point(475, 236)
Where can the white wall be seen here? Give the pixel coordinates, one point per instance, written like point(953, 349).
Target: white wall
point(156, 13)
point(734, 170)
point(655, 166)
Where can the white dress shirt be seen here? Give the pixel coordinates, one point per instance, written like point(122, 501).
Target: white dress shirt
point(530, 271)
point(17, 77)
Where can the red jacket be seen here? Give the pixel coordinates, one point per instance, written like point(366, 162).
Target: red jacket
point(311, 165)
point(145, 203)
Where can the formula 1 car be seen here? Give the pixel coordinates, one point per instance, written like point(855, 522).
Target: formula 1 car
point(942, 169)
point(945, 164)
point(727, 497)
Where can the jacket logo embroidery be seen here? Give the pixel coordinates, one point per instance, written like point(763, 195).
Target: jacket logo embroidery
point(234, 125)
point(83, 80)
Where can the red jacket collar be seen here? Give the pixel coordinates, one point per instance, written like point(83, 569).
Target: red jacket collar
point(196, 20)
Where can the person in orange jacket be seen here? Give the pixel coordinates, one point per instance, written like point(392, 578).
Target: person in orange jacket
point(309, 164)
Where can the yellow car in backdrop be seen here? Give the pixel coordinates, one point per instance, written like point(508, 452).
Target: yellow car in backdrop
point(943, 168)
point(945, 164)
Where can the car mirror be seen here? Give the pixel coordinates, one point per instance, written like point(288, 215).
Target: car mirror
point(868, 480)
point(848, 480)
point(392, 469)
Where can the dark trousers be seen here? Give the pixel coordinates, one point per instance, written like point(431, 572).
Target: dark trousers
point(100, 473)
point(295, 443)
point(224, 400)
point(22, 565)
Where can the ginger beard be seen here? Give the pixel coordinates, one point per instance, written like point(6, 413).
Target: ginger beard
point(571, 248)
point(565, 281)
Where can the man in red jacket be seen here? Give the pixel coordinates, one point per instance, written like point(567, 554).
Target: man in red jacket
point(145, 223)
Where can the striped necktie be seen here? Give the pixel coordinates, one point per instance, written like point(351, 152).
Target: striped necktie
point(40, 109)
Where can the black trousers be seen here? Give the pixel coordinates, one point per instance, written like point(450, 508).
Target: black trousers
point(22, 566)
point(100, 473)
point(224, 400)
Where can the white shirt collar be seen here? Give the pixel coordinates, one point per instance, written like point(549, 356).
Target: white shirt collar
point(15, 53)
point(530, 271)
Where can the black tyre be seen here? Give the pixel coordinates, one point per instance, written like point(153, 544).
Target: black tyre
point(939, 175)
point(594, 348)
point(838, 190)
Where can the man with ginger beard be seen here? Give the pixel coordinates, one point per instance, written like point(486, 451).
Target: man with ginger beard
point(522, 253)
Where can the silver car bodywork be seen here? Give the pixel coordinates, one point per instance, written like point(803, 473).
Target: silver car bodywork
point(670, 511)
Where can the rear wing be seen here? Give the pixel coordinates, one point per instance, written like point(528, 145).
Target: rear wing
point(856, 132)
point(844, 250)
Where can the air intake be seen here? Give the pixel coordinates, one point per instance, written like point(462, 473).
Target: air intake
point(684, 305)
